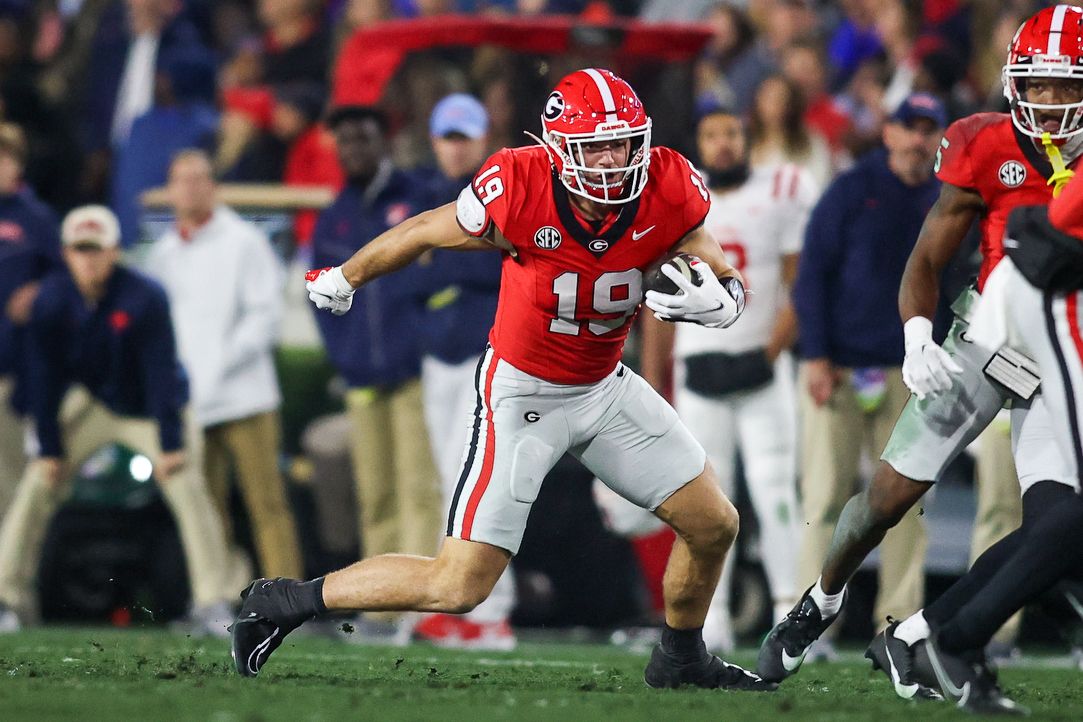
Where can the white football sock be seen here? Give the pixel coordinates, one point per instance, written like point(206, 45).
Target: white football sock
point(913, 629)
point(829, 604)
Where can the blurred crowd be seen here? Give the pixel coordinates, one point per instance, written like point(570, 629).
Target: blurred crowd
point(101, 100)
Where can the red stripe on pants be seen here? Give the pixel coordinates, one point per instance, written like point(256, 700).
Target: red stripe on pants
point(490, 451)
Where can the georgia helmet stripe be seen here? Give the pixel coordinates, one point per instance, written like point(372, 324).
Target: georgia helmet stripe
point(608, 103)
point(1055, 29)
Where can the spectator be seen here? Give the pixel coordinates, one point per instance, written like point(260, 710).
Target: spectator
point(53, 156)
point(397, 485)
point(804, 64)
point(29, 248)
point(858, 240)
point(183, 116)
point(783, 22)
point(778, 134)
point(296, 44)
point(225, 337)
point(310, 149)
point(128, 49)
point(727, 58)
point(459, 293)
point(100, 347)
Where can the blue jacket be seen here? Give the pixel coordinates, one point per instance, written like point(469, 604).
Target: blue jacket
point(122, 351)
point(458, 289)
point(858, 240)
point(143, 162)
point(375, 344)
point(29, 248)
point(105, 69)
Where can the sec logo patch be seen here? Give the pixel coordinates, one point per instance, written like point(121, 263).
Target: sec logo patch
point(547, 238)
point(1012, 174)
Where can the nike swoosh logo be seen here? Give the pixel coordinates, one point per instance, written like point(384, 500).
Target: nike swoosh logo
point(906, 691)
point(636, 235)
point(946, 685)
point(792, 663)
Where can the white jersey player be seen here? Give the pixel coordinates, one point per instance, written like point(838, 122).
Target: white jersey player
point(735, 389)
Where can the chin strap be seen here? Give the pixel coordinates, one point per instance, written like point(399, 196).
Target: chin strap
point(1061, 174)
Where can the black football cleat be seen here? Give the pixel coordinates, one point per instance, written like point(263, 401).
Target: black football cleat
point(895, 658)
point(261, 624)
point(784, 648)
point(969, 682)
point(709, 672)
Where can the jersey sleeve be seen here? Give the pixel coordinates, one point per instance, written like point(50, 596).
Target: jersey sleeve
point(954, 158)
point(485, 202)
point(801, 194)
point(684, 186)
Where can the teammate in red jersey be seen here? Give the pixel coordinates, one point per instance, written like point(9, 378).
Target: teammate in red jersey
point(990, 163)
point(579, 219)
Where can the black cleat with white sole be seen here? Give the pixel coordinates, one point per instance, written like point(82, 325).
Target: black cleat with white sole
point(786, 645)
point(262, 623)
point(895, 658)
point(665, 672)
point(968, 681)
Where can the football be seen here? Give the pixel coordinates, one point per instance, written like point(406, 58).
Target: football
point(655, 280)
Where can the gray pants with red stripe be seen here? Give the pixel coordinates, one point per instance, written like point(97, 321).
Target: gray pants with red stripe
point(618, 427)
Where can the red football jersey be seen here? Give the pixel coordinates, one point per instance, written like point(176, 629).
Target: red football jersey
point(570, 292)
point(984, 153)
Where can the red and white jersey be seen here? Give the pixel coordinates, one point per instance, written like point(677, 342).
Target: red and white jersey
point(570, 292)
point(985, 153)
point(756, 224)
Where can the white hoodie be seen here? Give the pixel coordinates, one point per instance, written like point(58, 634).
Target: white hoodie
point(225, 288)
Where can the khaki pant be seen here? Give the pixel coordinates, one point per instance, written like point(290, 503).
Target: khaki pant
point(12, 454)
point(398, 488)
point(251, 446)
point(87, 425)
point(1000, 508)
point(833, 438)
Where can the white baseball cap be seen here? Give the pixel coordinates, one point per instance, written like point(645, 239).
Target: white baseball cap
point(95, 225)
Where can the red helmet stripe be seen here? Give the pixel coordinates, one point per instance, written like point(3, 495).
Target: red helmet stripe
point(608, 104)
point(1055, 29)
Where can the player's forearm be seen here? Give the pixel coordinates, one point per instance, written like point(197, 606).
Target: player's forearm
point(388, 252)
point(920, 289)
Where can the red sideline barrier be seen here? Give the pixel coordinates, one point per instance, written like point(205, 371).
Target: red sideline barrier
point(371, 56)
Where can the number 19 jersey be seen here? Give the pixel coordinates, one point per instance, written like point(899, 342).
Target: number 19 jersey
point(570, 290)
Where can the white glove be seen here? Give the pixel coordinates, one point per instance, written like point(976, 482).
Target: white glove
point(329, 290)
point(927, 368)
point(708, 304)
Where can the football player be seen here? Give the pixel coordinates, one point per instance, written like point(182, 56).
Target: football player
point(578, 218)
point(989, 163)
point(735, 390)
point(1030, 304)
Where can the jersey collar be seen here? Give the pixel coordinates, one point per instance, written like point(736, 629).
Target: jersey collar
point(585, 236)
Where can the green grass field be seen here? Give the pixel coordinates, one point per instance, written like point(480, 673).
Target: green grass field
point(103, 674)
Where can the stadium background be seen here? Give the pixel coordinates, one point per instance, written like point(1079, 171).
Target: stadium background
point(112, 554)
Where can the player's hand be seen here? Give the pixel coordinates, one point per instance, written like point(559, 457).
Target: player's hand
point(822, 378)
point(329, 290)
point(927, 369)
point(169, 463)
point(712, 303)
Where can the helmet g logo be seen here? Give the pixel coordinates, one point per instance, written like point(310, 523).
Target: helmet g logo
point(554, 106)
point(1012, 174)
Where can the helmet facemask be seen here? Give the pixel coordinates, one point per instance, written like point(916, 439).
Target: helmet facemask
point(1026, 115)
point(610, 186)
